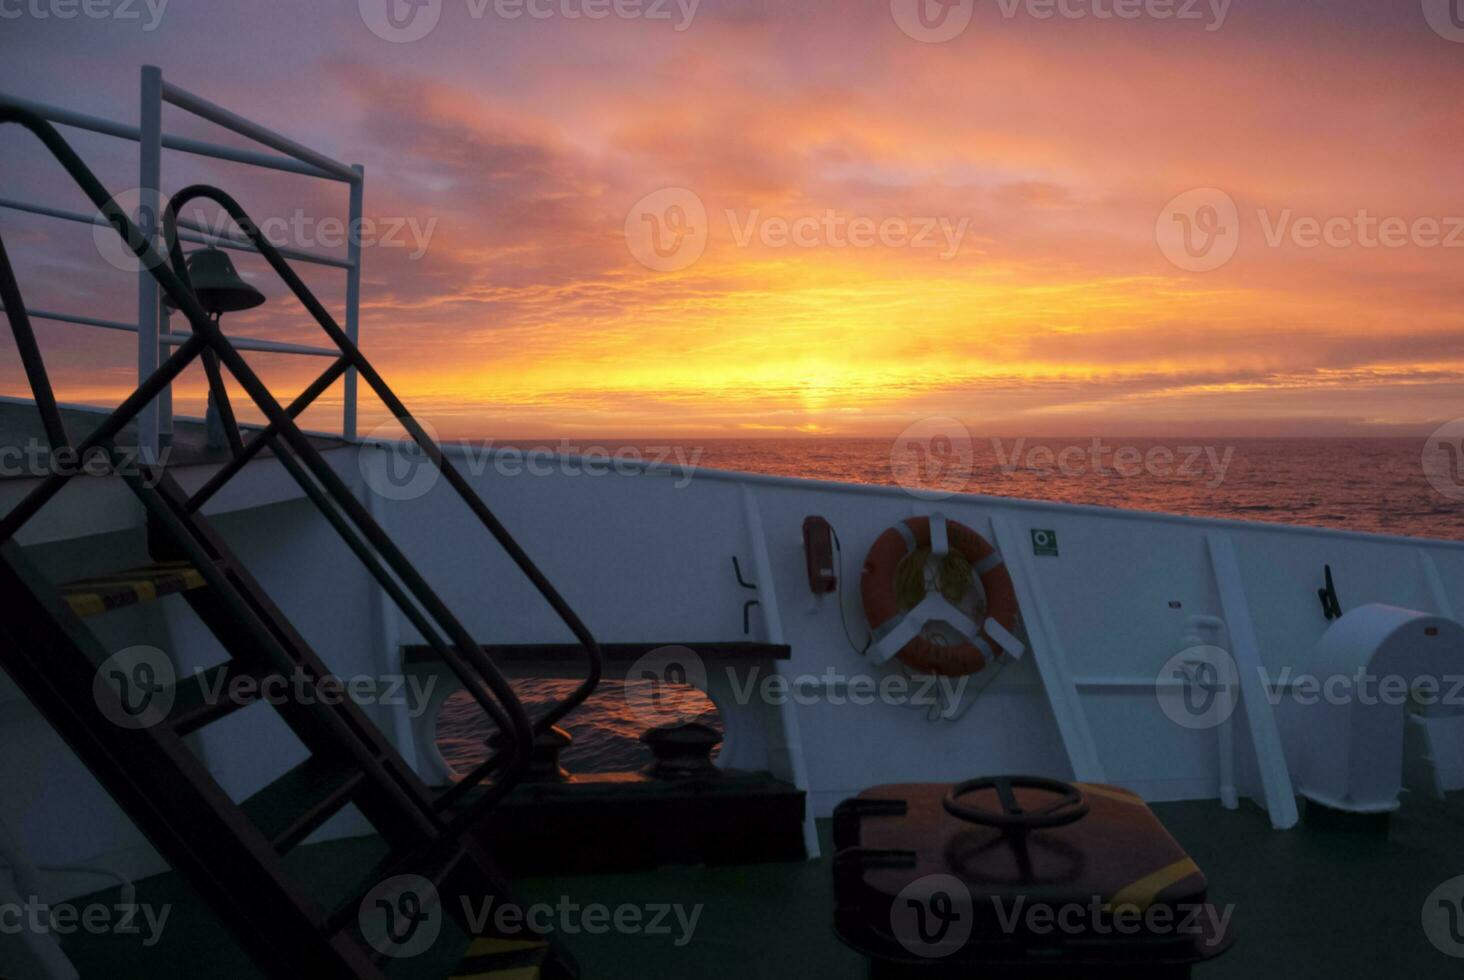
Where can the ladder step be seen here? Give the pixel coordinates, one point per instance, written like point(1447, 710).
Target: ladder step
point(129, 587)
point(293, 806)
point(205, 697)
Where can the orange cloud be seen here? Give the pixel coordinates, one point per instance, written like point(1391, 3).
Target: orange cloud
point(1051, 146)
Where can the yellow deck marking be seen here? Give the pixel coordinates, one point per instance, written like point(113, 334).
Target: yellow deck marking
point(1141, 893)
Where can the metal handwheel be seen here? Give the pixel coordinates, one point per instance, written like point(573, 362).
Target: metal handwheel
point(1070, 806)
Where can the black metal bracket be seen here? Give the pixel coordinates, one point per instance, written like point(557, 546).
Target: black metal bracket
point(1331, 608)
point(746, 606)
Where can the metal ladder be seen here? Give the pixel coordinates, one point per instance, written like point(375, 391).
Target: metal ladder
point(233, 852)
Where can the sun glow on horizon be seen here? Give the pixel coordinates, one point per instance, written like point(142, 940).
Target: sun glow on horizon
point(884, 230)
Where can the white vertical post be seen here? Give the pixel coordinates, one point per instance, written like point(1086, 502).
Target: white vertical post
point(787, 730)
point(1264, 732)
point(387, 635)
point(353, 296)
point(1051, 657)
point(149, 179)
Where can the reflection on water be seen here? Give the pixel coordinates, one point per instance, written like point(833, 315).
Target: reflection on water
point(606, 730)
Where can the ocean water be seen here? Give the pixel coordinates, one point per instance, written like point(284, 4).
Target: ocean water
point(1376, 485)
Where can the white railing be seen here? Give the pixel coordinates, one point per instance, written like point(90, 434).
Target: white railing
point(155, 423)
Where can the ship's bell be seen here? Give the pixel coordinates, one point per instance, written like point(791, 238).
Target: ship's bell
point(217, 285)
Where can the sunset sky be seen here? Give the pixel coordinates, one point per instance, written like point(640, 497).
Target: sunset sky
point(1043, 153)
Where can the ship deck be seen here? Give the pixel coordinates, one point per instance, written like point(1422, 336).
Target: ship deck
point(1307, 903)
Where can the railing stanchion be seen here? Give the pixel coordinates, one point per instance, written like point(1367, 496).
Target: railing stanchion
point(353, 296)
point(149, 180)
point(154, 339)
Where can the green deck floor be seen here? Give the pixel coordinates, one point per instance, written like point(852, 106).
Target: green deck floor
point(1307, 904)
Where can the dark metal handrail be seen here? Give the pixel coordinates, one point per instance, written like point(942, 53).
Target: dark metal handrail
point(315, 476)
point(353, 357)
point(209, 338)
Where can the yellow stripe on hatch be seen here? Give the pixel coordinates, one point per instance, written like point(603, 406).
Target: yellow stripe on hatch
point(1141, 893)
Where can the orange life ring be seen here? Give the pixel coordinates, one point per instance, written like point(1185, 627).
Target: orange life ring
point(886, 613)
